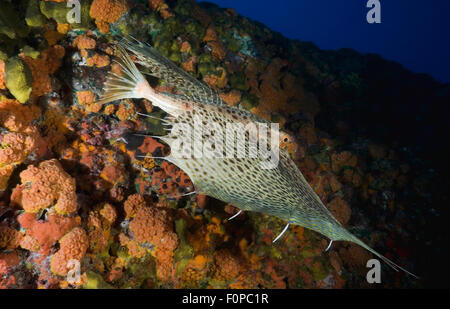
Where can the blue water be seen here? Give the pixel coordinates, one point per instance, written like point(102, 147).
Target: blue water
point(415, 33)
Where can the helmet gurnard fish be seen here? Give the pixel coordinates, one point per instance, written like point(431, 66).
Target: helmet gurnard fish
point(271, 183)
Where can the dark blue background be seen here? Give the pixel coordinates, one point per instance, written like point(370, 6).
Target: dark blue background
point(415, 33)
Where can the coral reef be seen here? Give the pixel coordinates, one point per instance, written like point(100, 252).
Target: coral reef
point(73, 246)
point(18, 79)
point(81, 185)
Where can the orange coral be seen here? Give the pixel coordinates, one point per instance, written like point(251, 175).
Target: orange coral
point(85, 97)
point(98, 61)
point(87, 100)
point(114, 174)
point(15, 147)
point(9, 238)
point(110, 109)
point(231, 98)
point(132, 204)
point(51, 35)
point(116, 271)
point(42, 185)
point(2, 75)
point(210, 35)
point(7, 261)
point(73, 246)
point(185, 47)
point(277, 91)
point(84, 42)
point(340, 210)
point(107, 11)
point(195, 270)
point(164, 265)
point(354, 255)
point(218, 51)
point(24, 140)
point(5, 173)
point(29, 243)
point(109, 213)
point(42, 235)
point(63, 28)
point(151, 224)
point(42, 67)
point(134, 249)
point(226, 265)
point(161, 7)
point(18, 117)
point(217, 81)
point(189, 65)
point(99, 227)
point(126, 110)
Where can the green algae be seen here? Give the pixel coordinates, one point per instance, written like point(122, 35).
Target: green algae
point(3, 55)
point(184, 253)
point(206, 65)
point(154, 125)
point(11, 24)
point(95, 281)
point(33, 15)
point(139, 270)
point(59, 11)
point(55, 10)
point(238, 81)
point(184, 250)
point(133, 23)
point(183, 8)
point(194, 28)
point(18, 79)
point(249, 100)
point(30, 52)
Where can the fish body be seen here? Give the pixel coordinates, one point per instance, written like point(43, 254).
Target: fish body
point(280, 191)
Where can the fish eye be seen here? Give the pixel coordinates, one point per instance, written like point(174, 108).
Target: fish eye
point(285, 139)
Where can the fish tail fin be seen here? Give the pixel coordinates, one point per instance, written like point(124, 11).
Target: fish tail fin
point(394, 266)
point(130, 83)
